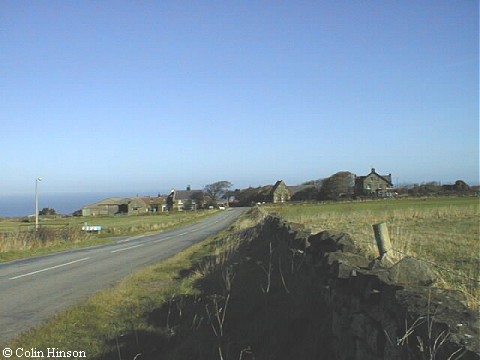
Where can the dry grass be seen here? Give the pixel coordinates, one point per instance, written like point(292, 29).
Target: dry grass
point(444, 232)
point(44, 237)
point(20, 240)
point(222, 249)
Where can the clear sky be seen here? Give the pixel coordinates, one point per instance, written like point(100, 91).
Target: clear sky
point(149, 95)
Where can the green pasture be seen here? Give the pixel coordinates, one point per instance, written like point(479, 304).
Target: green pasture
point(444, 232)
point(376, 206)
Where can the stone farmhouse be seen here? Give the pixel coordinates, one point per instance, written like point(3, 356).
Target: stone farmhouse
point(374, 185)
point(186, 199)
point(142, 205)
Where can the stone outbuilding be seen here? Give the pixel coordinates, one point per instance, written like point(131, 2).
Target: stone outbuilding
point(280, 192)
point(124, 206)
point(107, 207)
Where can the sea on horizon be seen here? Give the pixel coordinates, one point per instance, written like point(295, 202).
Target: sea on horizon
point(21, 205)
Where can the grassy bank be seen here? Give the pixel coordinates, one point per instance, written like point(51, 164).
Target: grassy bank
point(103, 324)
point(20, 240)
point(442, 231)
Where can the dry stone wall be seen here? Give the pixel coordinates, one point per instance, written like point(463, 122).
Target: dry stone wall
point(364, 310)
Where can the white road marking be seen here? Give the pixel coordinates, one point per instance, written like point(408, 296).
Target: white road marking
point(50, 268)
point(172, 236)
point(169, 237)
point(130, 239)
point(165, 238)
point(127, 248)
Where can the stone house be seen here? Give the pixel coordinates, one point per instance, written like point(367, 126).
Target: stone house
point(374, 185)
point(143, 205)
point(185, 200)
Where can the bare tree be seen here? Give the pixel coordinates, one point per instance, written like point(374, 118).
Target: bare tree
point(217, 190)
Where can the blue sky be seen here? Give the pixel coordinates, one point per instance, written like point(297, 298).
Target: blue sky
point(147, 95)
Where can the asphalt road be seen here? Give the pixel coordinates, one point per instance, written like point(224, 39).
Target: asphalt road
point(33, 290)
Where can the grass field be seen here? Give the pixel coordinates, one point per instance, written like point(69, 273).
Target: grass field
point(112, 225)
point(443, 231)
point(19, 239)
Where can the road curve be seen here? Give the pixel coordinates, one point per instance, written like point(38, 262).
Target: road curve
point(33, 290)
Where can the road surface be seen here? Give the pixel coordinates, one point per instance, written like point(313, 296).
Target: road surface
point(33, 290)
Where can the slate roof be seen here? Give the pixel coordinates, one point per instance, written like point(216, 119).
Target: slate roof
point(186, 194)
point(386, 178)
point(109, 201)
point(152, 200)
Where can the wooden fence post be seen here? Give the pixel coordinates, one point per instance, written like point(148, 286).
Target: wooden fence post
point(382, 238)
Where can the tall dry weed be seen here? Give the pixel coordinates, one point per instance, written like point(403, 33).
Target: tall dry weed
point(43, 237)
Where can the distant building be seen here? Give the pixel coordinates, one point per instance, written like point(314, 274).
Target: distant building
point(277, 193)
point(128, 206)
point(374, 185)
point(142, 205)
point(280, 193)
point(185, 200)
point(107, 207)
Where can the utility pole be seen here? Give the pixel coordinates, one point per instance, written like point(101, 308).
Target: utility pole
point(36, 202)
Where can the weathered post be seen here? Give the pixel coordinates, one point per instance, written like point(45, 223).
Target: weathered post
point(383, 239)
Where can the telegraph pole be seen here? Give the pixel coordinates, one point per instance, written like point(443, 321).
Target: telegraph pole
point(36, 202)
